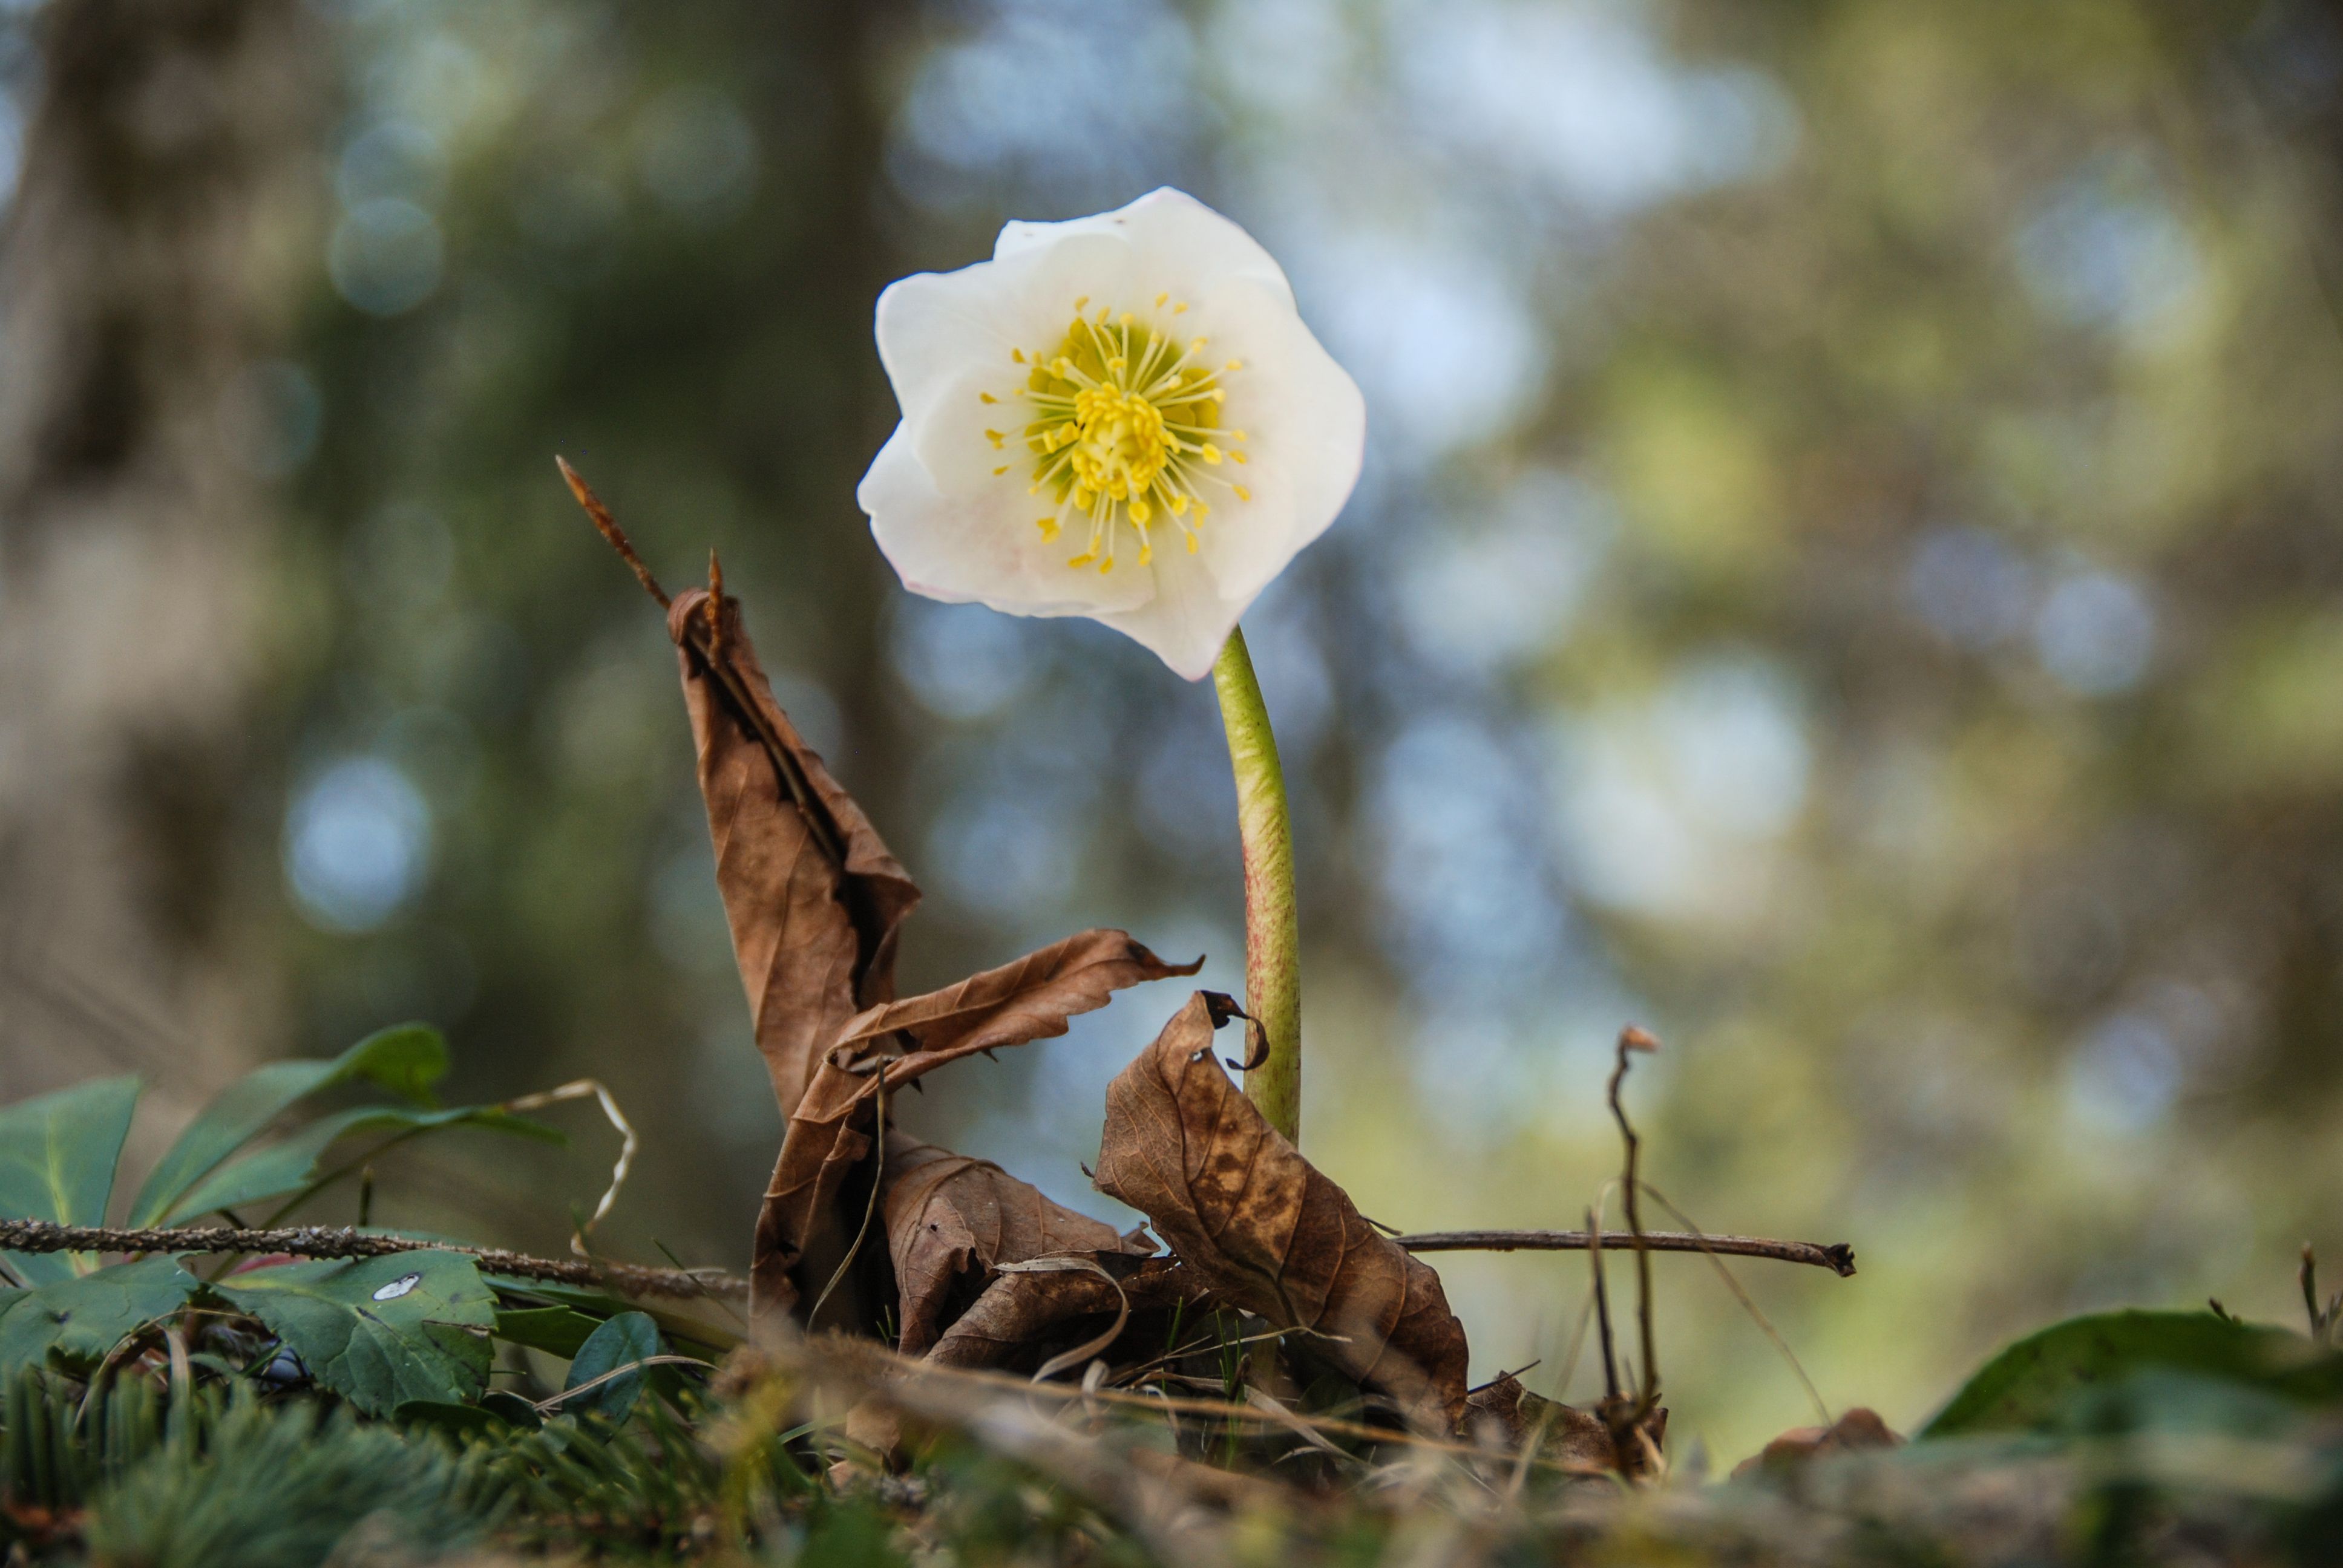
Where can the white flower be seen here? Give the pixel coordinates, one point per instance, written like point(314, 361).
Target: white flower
point(1121, 417)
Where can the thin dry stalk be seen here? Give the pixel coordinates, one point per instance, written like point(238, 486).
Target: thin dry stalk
point(610, 529)
point(1648, 1393)
point(1602, 1314)
point(1838, 1256)
point(327, 1241)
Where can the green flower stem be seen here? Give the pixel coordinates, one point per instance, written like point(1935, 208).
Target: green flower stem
point(1273, 928)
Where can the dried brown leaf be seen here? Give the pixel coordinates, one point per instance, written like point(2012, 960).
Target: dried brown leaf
point(1028, 999)
point(951, 1220)
point(1025, 1312)
point(1261, 1226)
point(831, 1132)
point(1504, 1414)
point(814, 899)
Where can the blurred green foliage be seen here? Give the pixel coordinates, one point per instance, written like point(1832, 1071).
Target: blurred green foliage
point(1848, 577)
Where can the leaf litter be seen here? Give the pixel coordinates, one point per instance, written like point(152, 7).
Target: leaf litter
point(979, 1268)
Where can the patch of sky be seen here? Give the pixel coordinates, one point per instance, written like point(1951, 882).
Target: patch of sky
point(357, 844)
point(386, 255)
point(1469, 897)
point(2104, 248)
point(1079, 102)
point(1282, 57)
point(2124, 1076)
point(959, 661)
point(1586, 99)
point(1438, 334)
point(1661, 801)
point(1971, 586)
point(1008, 841)
point(1498, 584)
point(2095, 633)
point(1053, 1127)
point(429, 75)
point(393, 158)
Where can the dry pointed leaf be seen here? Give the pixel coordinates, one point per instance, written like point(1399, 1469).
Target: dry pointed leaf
point(1029, 1314)
point(1261, 1227)
point(1504, 1414)
point(830, 1133)
point(814, 899)
point(1028, 999)
point(951, 1220)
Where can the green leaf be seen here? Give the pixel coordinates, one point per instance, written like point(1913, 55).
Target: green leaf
point(496, 1411)
point(56, 1163)
point(556, 1330)
point(2031, 1384)
point(380, 1332)
point(298, 1160)
point(628, 1337)
point(685, 1332)
point(511, 1408)
point(78, 1320)
point(406, 1060)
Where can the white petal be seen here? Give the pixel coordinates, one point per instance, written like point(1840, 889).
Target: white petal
point(981, 546)
point(1187, 620)
point(1305, 424)
point(1184, 248)
point(934, 326)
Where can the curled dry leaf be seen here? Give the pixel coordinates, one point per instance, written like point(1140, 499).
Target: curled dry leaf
point(953, 1221)
point(830, 1132)
point(1260, 1227)
point(814, 899)
point(1031, 1309)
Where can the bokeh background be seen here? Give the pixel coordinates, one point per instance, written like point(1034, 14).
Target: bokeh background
point(1848, 575)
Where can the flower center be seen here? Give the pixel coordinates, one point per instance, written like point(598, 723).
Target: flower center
point(1126, 423)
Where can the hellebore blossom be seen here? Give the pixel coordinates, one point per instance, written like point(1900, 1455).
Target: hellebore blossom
point(1121, 417)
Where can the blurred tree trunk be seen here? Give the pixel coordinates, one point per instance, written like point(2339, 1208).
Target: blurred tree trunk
point(145, 263)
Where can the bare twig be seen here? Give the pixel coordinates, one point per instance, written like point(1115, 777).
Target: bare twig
point(610, 530)
point(1748, 1304)
point(2323, 1321)
point(1648, 1392)
point(327, 1241)
point(1603, 1313)
point(706, 639)
point(715, 607)
point(1837, 1256)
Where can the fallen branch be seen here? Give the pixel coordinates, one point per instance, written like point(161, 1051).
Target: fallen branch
point(1837, 1256)
point(325, 1241)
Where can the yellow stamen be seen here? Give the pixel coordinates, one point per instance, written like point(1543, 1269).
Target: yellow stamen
point(1125, 420)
